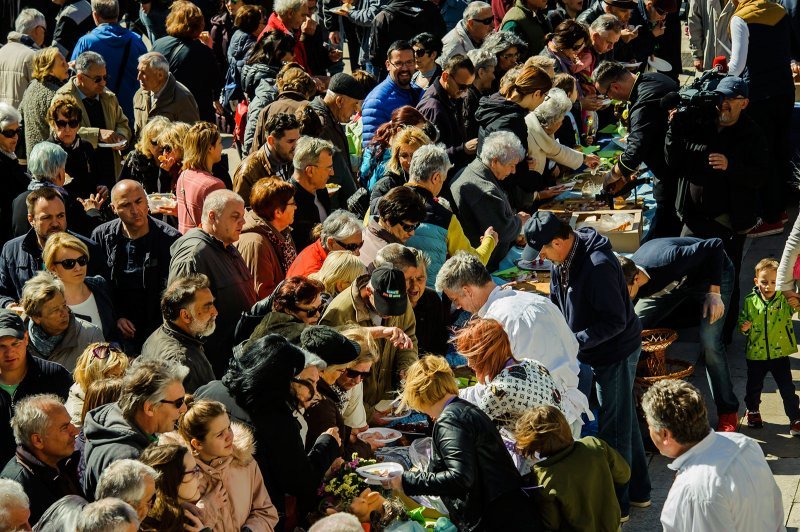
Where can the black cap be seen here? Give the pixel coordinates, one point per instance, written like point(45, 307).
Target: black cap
point(11, 324)
point(389, 290)
point(329, 345)
point(732, 86)
point(346, 85)
point(539, 230)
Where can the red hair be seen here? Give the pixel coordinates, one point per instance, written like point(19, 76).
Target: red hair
point(486, 346)
point(401, 117)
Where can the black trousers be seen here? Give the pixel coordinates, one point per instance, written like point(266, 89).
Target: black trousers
point(782, 373)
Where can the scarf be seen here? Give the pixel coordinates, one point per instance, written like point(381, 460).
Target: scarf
point(563, 269)
point(283, 245)
point(340, 397)
point(760, 12)
point(43, 342)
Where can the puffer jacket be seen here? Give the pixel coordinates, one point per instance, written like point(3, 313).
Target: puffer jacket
point(771, 334)
point(240, 45)
point(381, 101)
point(16, 67)
point(264, 93)
point(33, 108)
point(260, 255)
point(252, 75)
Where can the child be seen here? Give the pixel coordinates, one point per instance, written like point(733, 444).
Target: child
point(577, 477)
point(766, 320)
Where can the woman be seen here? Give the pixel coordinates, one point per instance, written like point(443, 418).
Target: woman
point(249, 21)
point(469, 468)
point(16, 180)
point(170, 141)
point(296, 304)
point(427, 50)
point(378, 152)
point(190, 60)
point(224, 453)
point(265, 60)
point(64, 117)
point(266, 243)
point(222, 28)
point(141, 164)
point(339, 271)
point(50, 71)
point(98, 393)
point(565, 44)
point(508, 48)
point(400, 212)
point(350, 384)
point(202, 149)
point(97, 362)
point(403, 146)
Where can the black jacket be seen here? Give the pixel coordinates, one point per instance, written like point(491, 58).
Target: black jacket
point(431, 315)
point(170, 343)
point(306, 216)
point(15, 182)
point(42, 376)
point(389, 181)
point(401, 20)
point(143, 169)
point(446, 114)
point(80, 157)
point(78, 219)
point(105, 306)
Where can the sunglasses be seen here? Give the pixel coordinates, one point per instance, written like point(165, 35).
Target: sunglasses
point(350, 247)
point(311, 312)
point(71, 123)
point(192, 472)
point(11, 133)
point(98, 79)
point(462, 86)
point(484, 21)
point(69, 264)
point(177, 403)
point(101, 352)
point(419, 52)
point(354, 374)
point(409, 228)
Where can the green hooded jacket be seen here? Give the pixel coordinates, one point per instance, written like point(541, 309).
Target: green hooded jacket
point(771, 334)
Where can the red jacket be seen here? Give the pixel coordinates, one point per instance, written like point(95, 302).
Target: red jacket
point(300, 57)
point(309, 260)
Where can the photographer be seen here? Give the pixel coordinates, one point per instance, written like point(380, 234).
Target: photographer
point(719, 174)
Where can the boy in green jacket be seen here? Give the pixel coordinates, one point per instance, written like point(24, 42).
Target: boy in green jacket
point(766, 320)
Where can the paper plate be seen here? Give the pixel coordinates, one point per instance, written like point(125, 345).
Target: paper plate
point(112, 145)
point(383, 435)
point(375, 474)
point(659, 64)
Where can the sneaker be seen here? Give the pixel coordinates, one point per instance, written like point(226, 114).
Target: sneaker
point(765, 229)
point(641, 504)
point(624, 519)
point(754, 420)
point(728, 422)
point(784, 217)
point(794, 428)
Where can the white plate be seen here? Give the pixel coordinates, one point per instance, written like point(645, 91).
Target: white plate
point(375, 474)
point(659, 64)
point(383, 435)
point(631, 65)
point(333, 190)
point(112, 145)
point(340, 11)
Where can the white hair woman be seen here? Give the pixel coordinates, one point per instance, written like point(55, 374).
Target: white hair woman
point(15, 180)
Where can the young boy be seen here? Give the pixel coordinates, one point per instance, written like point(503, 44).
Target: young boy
point(766, 320)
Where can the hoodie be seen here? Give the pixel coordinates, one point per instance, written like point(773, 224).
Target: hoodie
point(595, 301)
point(109, 437)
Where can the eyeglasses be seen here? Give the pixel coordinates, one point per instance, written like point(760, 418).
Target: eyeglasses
point(354, 374)
point(177, 403)
point(510, 56)
point(191, 473)
point(101, 352)
point(11, 133)
point(99, 79)
point(408, 228)
point(349, 247)
point(71, 123)
point(461, 86)
point(419, 52)
point(484, 21)
point(311, 312)
point(69, 264)
point(407, 64)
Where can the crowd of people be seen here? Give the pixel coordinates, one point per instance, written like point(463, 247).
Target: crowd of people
point(186, 344)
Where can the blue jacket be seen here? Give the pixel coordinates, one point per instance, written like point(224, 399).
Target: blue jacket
point(379, 104)
point(110, 41)
point(596, 303)
point(432, 234)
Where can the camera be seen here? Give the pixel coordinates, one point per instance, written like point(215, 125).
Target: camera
point(696, 106)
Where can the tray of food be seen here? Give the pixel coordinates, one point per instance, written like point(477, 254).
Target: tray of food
point(375, 474)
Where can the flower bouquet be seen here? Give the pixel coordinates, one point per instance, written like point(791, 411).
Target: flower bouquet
point(344, 485)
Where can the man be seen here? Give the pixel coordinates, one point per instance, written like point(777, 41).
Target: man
point(379, 302)
point(622, 9)
point(160, 94)
point(587, 285)
point(150, 403)
point(665, 274)
point(535, 327)
point(189, 317)
point(393, 92)
point(46, 462)
point(16, 56)
point(604, 33)
point(340, 103)
point(14, 506)
point(118, 46)
point(274, 158)
point(722, 481)
point(651, 16)
point(103, 120)
point(22, 374)
point(313, 166)
point(442, 105)
point(290, 18)
point(21, 257)
point(527, 19)
point(108, 515)
point(646, 134)
point(74, 20)
point(440, 234)
point(469, 33)
point(131, 481)
point(708, 22)
point(135, 250)
point(209, 250)
point(341, 231)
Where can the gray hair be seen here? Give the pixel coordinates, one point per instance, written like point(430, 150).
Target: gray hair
point(217, 201)
point(502, 40)
point(482, 58)
point(340, 522)
point(87, 60)
point(679, 407)
point(12, 496)
point(460, 270)
point(473, 8)
point(62, 515)
point(339, 225)
point(146, 381)
point(8, 115)
point(31, 416)
point(313, 360)
point(46, 161)
point(123, 479)
point(307, 151)
point(605, 23)
point(502, 146)
point(156, 61)
point(285, 7)
point(397, 256)
point(28, 20)
point(38, 290)
point(106, 9)
point(107, 515)
point(427, 161)
point(555, 105)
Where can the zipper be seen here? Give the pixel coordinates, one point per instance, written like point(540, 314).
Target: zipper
point(766, 328)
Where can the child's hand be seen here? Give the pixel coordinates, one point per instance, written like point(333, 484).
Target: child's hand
point(745, 326)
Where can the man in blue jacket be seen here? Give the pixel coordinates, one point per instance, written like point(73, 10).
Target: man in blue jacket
point(588, 286)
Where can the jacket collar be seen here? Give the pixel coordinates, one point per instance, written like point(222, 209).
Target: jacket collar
point(30, 245)
point(362, 312)
point(171, 330)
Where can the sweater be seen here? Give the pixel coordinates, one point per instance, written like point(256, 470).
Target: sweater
point(771, 334)
point(193, 188)
point(33, 108)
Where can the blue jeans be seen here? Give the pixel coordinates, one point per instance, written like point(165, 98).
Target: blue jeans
point(619, 427)
point(653, 311)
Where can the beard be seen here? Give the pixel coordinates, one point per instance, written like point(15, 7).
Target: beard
point(205, 330)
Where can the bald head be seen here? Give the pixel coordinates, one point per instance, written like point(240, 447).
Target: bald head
point(129, 202)
point(124, 186)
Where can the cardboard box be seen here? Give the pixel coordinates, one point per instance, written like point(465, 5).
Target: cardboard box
point(622, 241)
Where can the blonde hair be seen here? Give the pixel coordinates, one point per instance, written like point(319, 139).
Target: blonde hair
point(428, 381)
point(43, 62)
point(58, 241)
point(407, 136)
point(202, 136)
point(766, 264)
point(543, 430)
point(339, 266)
point(150, 132)
point(369, 347)
point(173, 136)
point(90, 367)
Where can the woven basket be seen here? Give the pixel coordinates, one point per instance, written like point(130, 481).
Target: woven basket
point(656, 366)
point(673, 369)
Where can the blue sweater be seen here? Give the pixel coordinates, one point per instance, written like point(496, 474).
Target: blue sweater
point(596, 303)
point(381, 101)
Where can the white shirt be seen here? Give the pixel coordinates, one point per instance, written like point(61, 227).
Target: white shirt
point(538, 331)
point(88, 311)
point(354, 414)
point(723, 484)
point(740, 42)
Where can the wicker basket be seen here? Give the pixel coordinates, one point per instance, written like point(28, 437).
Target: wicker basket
point(656, 366)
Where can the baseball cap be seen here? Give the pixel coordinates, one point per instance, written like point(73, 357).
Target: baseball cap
point(329, 345)
point(389, 290)
point(732, 87)
point(539, 230)
point(11, 324)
